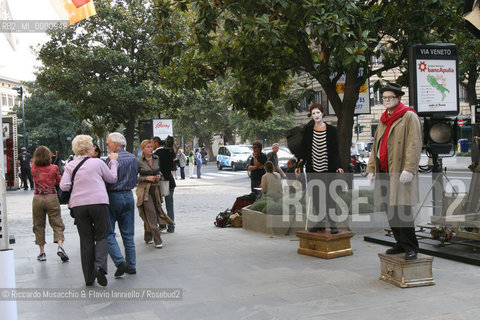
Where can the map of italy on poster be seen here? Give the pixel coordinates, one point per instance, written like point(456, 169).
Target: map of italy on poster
point(436, 85)
point(162, 128)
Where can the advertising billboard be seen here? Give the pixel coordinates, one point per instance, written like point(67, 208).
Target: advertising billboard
point(433, 72)
point(162, 128)
point(363, 103)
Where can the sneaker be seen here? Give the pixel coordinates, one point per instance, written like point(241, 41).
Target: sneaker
point(42, 257)
point(62, 254)
point(162, 229)
point(159, 246)
point(149, 242)
point(170, 230)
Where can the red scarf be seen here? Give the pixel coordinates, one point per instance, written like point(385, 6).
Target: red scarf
point(388, 121)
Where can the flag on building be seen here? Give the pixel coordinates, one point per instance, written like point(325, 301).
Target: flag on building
point(74, 10)
point(6, 15)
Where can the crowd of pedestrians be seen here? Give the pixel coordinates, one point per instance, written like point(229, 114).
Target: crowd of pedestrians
point(101, 199)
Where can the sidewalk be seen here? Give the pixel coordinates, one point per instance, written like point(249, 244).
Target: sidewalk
point(232, 273)
point(451, 163)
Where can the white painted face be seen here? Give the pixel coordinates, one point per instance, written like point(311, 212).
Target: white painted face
point(389, 100)
point(317, 115)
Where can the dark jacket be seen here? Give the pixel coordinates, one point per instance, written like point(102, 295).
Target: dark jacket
point(166, 157)
point(332, 147)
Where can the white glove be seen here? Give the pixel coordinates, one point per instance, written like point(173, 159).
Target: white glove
point(371, 177)
point(406, 176)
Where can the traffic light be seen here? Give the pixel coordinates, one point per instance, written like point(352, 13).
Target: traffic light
point(19, 92)
point(440, 134)
point(359, 128)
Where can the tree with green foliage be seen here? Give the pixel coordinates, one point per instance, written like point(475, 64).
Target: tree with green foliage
point(270, 130)
point(264, 43)
point(202, 114)
point(109, 66)
point(49, 121)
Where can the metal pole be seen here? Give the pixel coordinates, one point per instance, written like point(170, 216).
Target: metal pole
point(438, 188)
point(23, 117)
point(3, 204)
point(8, 309)
point(358, 129)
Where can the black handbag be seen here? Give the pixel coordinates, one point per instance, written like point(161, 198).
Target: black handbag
point(64, 196)
point(294, 140)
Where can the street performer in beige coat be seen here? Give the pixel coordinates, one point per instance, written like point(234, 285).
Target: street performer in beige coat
point(394, 167)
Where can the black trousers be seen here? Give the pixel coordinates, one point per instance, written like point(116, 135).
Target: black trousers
point(92, 226)
point(323, 211)
point(27, 174)
point(182, 173)
point(401, 221)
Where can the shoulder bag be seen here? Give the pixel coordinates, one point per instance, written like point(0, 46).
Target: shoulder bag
point(64, 196)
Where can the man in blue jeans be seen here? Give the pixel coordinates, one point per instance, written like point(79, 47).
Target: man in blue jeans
point(122, 206)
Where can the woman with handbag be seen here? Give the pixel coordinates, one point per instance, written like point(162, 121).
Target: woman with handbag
point(45, 202)
point(89, 205)
point(149, 197)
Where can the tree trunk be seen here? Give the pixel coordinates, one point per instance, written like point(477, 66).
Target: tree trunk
point(130, 133)
point(59, 145)
point(472, 80)
point(228, 137)
point(345, 112)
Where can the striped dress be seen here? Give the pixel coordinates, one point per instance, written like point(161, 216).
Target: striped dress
point(319, 151)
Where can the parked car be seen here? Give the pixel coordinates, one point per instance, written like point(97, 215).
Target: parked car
point(283, 153)
point(234, 157)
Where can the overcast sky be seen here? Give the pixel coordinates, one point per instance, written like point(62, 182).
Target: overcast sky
point(19, 64)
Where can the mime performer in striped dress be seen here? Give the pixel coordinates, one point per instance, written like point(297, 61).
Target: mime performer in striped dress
point(320, 156)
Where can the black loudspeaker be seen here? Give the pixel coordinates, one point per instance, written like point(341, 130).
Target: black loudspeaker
point(145, 129)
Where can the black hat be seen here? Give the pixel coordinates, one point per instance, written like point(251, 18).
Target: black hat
point(390, 86)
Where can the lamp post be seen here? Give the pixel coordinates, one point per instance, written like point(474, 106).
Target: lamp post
point(20, 94)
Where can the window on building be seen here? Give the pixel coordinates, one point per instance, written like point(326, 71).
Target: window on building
point(375, 98)
point(317, 98)
point(462, 93)
point(373, 128)
point(303, 105)
point(11, 101)
point(4, 100)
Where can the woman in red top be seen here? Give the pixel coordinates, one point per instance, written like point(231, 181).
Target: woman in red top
point(45, 202)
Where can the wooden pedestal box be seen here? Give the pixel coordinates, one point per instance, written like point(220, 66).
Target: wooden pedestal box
point(324, 244)
point(405, 274)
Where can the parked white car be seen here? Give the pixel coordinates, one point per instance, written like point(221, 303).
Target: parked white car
point(234, 157)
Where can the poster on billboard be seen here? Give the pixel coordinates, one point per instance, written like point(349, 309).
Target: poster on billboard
point(363, 103)
point(162, 128)
point(434, 80)
point(436, 85)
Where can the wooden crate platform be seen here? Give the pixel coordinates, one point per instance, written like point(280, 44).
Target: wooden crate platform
point(324, 244)
point(406, 274)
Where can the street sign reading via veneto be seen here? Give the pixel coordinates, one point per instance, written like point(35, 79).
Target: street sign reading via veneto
point(433, 72)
